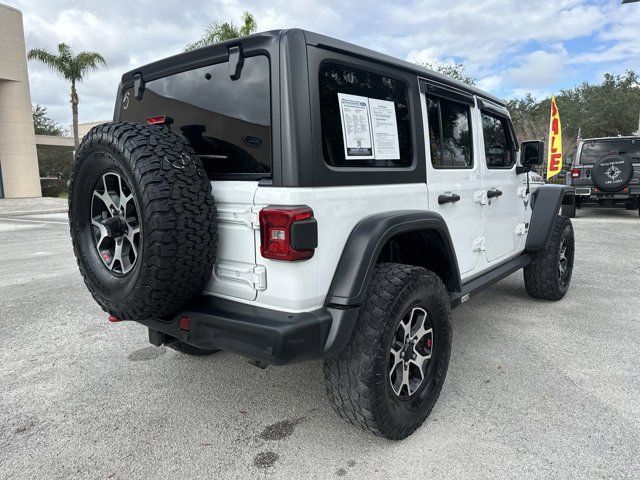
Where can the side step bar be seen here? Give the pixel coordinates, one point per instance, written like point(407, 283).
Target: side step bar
point(472, 287)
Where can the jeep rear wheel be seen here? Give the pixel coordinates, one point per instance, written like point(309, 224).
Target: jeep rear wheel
point(142, 220)
point(389, 376)
point(549, 274)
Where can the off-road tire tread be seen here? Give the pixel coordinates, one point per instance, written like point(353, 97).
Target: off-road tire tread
point(569, 211)
point(541, 275)
point(179, 229)
point(349, 376)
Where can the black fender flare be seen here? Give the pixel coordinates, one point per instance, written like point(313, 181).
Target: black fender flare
point(363, 247)
point(545, 203)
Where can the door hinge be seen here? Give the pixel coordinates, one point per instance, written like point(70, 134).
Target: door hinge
point(522, 228)
point(479, 244)
point(254, 276)
point(248, 216)
point(481, 197)
point(255, 218)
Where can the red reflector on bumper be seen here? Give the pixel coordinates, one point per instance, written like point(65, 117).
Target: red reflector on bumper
point(184, 323)
point(113, 319)
point(159, 120)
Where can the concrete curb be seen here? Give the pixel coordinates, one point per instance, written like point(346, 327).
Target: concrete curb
point(33, 212)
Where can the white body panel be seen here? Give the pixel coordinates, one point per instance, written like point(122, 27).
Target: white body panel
point(300, 286)
point(463, 218)
point(236, 257)
point(501, 215)
point(243, 275)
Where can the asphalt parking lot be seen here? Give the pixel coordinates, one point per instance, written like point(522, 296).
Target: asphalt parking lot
point(534, 390)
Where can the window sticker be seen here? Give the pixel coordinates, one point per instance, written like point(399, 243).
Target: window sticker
point(356, 127)
point(385, 129)
point(369, 128)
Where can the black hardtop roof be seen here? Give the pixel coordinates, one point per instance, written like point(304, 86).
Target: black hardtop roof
point(317, 39)
point(621, 137)
point(200, 55)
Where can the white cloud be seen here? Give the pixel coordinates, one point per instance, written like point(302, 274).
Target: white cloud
point(490, 83)
point(425, 55)
point(539, 69)
point(509, 45)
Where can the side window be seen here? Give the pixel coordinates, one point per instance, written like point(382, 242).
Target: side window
point(365, 119)
point(449, 133)
point(498, 147)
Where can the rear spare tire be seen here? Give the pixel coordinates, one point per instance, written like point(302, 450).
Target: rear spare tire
point(142, 219)
point(612, 173)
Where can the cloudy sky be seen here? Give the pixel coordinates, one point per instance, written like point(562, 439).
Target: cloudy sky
point(509, 46)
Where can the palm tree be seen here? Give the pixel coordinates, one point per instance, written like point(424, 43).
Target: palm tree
point(71, 67)
point(219, 32)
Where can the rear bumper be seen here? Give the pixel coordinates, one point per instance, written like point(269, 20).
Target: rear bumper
point(593, 194)
point(271, 336)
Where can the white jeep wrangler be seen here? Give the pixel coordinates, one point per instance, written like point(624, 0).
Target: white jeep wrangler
point(358, 198)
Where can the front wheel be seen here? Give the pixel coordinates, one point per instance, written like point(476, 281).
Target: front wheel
point(569, 210)
point(389, 376)
point(549, 274)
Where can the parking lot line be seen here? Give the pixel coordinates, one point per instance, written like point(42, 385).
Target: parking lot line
point(32, 221)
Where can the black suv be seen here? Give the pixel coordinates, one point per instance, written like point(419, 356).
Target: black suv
point(605, 172)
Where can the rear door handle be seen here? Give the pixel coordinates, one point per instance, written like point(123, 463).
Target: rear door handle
point(494, 192)
point(448, 198)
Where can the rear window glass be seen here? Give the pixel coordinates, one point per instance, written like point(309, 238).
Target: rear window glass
point(364, 118)
point(228, 122)
point(594, 150)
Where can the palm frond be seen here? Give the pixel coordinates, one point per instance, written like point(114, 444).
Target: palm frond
point(65, 51)
point(55, 62)
point(249, 24)
point(87, 61)
point(225, 31)
point(222, 31)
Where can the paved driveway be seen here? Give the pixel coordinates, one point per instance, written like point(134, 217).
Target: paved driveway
point(534, 390)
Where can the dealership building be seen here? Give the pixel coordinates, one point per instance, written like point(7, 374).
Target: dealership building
point(18, 158)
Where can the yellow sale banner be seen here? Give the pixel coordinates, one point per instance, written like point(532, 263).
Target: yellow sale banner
point(554, 165)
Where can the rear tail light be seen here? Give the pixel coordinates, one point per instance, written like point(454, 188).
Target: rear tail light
point(288, 233)
point(575, 173)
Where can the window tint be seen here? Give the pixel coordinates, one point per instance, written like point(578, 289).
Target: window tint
point(337, 79)
point(449, 133)
point(594, 150)
point(228, 122)
point(498, 148)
